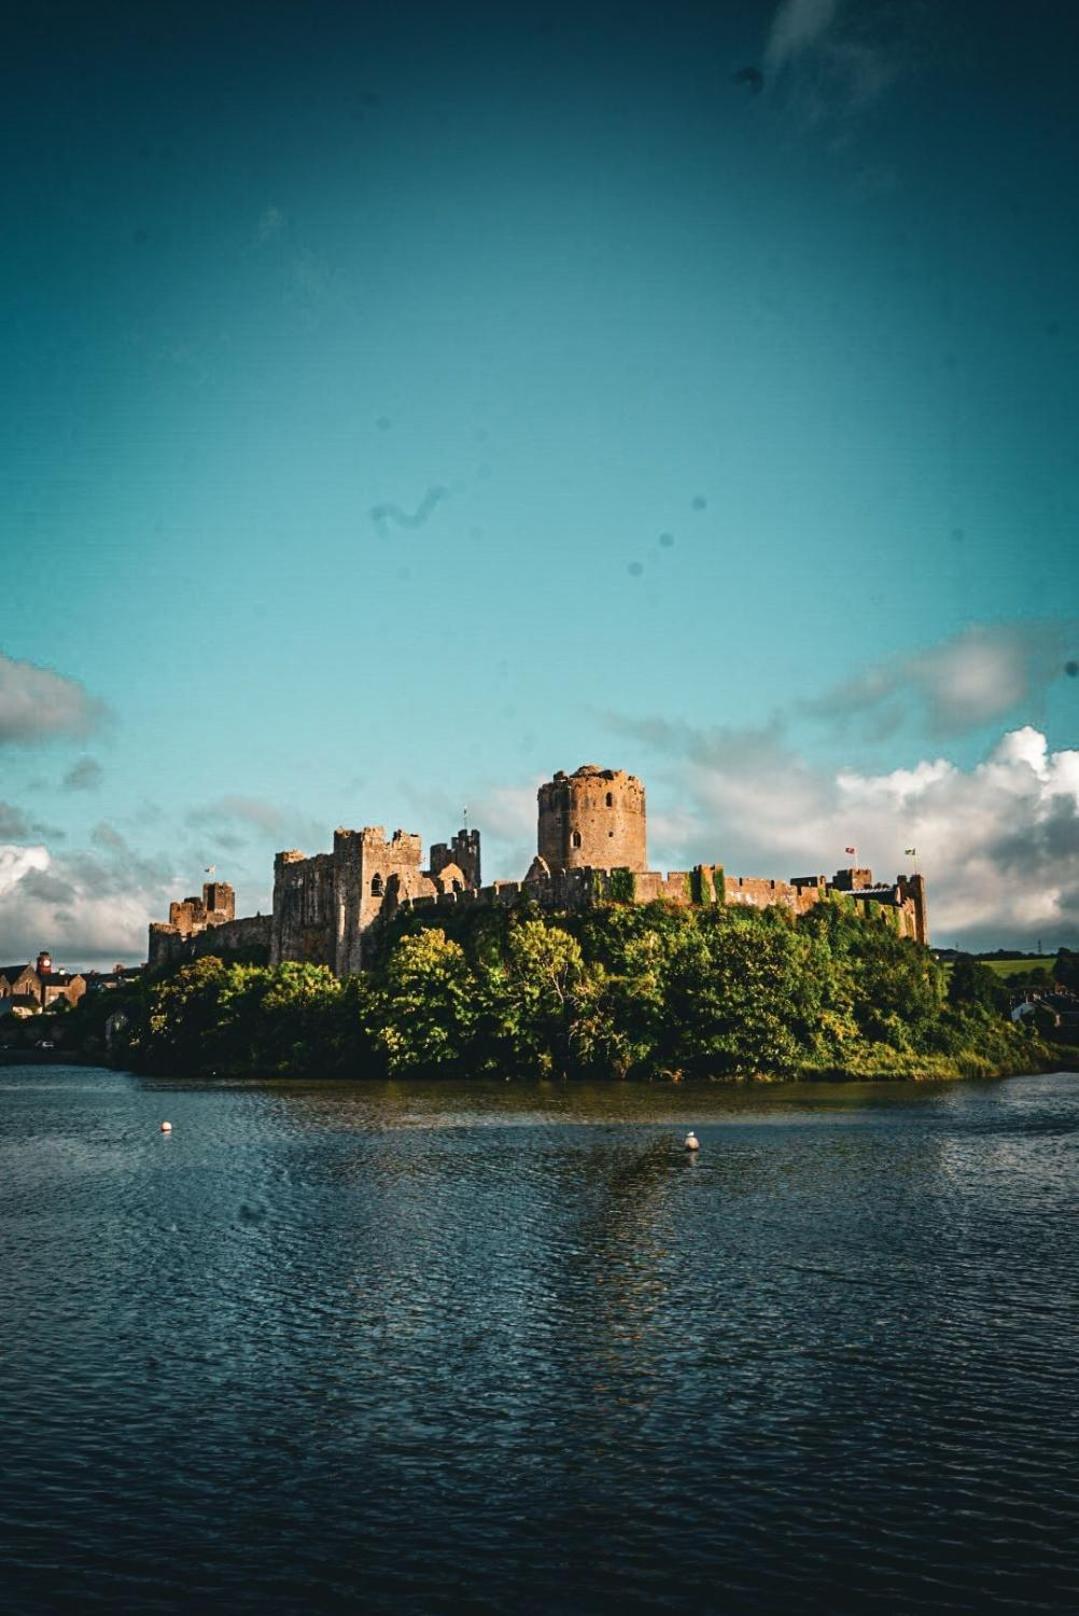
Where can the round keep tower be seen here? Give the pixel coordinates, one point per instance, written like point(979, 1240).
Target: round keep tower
point(593, 817)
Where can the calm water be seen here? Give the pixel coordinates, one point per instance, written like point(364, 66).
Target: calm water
point(507, 1349)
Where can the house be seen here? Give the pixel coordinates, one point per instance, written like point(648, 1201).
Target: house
point(39, 986)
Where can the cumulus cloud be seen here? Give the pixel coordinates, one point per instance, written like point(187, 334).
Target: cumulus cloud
point(979, 676)
point(86, 908)
point(85, 775)
point(998, 842)
point(39, 704)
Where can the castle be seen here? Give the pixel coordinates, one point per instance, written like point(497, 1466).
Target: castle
point(591, 848)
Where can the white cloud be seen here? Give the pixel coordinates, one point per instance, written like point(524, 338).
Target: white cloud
point(86, 909)
point(976, 677)
point(39, 704)
point(506, 818)
point(998, 843)
point(16, 862)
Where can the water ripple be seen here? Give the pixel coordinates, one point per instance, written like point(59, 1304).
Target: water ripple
point(506, 1349)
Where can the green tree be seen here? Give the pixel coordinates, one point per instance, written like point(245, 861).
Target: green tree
point(972, 983)
point(425, 1009)
point(537, 992)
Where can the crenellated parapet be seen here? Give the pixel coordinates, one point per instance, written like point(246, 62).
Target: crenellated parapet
point(592, 819)
point(591, 849)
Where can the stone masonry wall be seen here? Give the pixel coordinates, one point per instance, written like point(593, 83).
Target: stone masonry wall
point(372, 872)
point(249, 937)
point(303, 909)
point(591, 833)
point(217, 904)
point(463, 851)
point(593, 819)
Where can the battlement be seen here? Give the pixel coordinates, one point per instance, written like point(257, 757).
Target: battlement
point(594, 818)
point(591, 848)
point(247, 938)
point(373, 839)
point(216, 906)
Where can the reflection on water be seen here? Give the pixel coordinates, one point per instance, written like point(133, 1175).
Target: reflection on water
point(504, 1347)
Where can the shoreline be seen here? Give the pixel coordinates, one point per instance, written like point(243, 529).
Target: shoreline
point(924, 1069)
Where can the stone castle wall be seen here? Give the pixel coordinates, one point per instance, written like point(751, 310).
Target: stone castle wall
point(592, 847)
point(303, 909)
point(214, 908)
point(593, 819)
point(707, 885)
point(325, 905)
point(248, 937)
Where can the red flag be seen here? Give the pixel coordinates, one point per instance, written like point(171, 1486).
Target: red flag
point(851, 850)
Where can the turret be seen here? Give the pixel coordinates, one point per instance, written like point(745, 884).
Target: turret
point(594, 818)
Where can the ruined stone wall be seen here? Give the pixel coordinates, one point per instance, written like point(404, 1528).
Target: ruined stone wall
point(912, 891)
point(188, 915)
point(248, 937)
point(852, 880)
point(594, 819)
point(216, 906)
point(761, 892)
point(707, 885)
point(219, 902)
point(303, 909)
point(464, 851)
point(371, 873)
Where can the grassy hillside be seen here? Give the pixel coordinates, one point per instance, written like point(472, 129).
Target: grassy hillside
point(1006, 968)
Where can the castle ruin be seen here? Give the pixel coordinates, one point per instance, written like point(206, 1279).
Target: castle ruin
point(207, 925)
point(591, 847)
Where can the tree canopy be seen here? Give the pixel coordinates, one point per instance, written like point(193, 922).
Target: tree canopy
point(622, 990)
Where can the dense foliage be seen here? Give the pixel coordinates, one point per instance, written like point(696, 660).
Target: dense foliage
point(620, 991)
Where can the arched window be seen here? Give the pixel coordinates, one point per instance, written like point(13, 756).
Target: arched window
point(575, 839)
point(610, 799)
point(376, 886)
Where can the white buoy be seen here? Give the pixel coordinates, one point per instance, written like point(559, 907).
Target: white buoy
point(166, 1127)
point(692, 1142)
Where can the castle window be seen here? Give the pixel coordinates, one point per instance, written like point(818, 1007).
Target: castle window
point(610, 799)
point(376, 886)
point(575, 839)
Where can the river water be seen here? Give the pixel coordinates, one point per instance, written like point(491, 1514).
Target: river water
point(505, 1348)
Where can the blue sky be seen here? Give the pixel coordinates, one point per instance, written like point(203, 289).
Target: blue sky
point(404, 403)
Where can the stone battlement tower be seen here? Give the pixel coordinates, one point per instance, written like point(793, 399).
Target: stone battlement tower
point(593, 818)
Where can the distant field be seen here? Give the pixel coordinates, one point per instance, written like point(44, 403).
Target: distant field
point(1019, 967)
point(1015, 967)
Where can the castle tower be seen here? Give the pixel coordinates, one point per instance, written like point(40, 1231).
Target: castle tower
point(370, 874)
point(593, 818)
point(464, 851)
point(912, 888)
point(219, 901)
